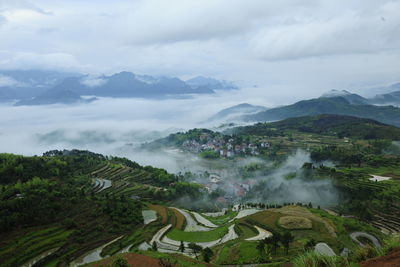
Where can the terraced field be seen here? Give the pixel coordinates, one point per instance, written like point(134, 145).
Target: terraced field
point(29, 246)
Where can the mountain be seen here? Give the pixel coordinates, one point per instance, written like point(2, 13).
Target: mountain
point(54, 97)
point(210, 83)
point(329, 105)
point(235, 112)
point(327, 124)
point(382, 89)
point(34, 87)
point(25, 84)
point(392, 98)
point(352, 98)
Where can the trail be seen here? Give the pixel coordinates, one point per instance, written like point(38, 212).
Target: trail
point(262, 234)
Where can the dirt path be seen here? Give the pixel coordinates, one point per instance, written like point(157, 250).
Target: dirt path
point(262, 234)
point(390, 260)
point(373, 239)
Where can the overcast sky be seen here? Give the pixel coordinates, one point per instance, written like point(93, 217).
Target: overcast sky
point(299, 47)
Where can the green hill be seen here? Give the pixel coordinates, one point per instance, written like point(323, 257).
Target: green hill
point(331, 105)
point(75, 201)
point(327, 124)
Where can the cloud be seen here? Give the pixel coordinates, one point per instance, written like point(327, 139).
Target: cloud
point(6, 5)
point(93, 81)
point(8, 81)
point(349, 32)
point(48, 61)
point(318, 44)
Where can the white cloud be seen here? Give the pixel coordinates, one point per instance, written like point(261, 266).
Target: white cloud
point(350, 32)
point(8, 81)
point(50, 61)
point(93, 81)
point(262, 42)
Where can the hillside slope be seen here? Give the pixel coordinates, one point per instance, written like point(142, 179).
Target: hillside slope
point(331, 105)
point(328, 124)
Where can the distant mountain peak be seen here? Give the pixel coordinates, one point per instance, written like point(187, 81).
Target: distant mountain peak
point(336, 93)
point(201, 81)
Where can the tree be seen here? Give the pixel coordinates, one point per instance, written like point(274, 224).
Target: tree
point(261, 248)
point(195, 248)
point(154, 246)
point(120, 262)
point(286, 239)
point(207, 254)
point(182, 247)
point(274, 241)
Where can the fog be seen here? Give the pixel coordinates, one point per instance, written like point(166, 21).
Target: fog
point(290, 183)
point(111, 126)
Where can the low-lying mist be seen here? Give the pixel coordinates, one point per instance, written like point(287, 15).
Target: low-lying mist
point(290, 183)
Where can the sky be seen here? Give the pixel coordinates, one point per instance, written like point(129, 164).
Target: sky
point(278, 52)
point(289, 49)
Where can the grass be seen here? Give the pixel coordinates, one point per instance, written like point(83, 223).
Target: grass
point(238, 253)
point(245, 231)
point(344, 226)
point(222, 219)
point(312, 259)
point(207, 236)
point(295, 222)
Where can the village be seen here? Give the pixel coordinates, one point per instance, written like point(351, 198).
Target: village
point(224, 147)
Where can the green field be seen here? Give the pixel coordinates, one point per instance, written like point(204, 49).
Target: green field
point(222, 219)
point(212, 235)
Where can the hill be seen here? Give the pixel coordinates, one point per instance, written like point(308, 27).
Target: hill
point(392, 98)
point(329, 105)
point(354, 99)
point(336, 125)
point(235, 112)
point(74, 201)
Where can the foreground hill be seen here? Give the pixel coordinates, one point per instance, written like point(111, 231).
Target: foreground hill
point(67, 203)
point(336, 125)
point(329, 105)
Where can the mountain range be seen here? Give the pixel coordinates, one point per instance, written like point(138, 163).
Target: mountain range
point(48, 87)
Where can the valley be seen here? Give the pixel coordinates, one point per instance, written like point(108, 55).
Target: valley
point(329, 182)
